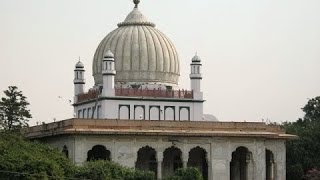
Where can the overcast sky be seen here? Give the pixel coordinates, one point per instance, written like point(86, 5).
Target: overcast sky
point(261, 58)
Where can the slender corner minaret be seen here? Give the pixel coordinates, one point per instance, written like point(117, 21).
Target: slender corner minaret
point(108, 73)
point(79, 80)
point(196, 77)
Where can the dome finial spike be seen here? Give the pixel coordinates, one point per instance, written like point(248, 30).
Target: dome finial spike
point(136, 2)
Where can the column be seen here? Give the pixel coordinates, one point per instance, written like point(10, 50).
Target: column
point(220, 160)
point(248, 166)
point(280, 161)
point(80, 150)
point(259, 162)
point(185, 158)
point(209, 165)
point(271, 169)
point(159, 164)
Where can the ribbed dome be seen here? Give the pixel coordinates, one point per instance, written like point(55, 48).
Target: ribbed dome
point(142, 53)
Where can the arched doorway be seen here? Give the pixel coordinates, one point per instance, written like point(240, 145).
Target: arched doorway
point(197, 159)
point(146, 160)
point(240, 164)
point(270, 165)
point(171, 161)
point(98, 152)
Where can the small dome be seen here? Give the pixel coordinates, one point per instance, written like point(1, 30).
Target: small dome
point(79, 65)
point(109, 54)
point(196, 58)
point(142, 53)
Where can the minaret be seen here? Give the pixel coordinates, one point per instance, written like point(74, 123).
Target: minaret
point(108, 73)
point(78, 81)
point(196, 77)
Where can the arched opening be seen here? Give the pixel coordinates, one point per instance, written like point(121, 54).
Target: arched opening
point(171, 161)
point(154, 113)
point(98, 152)
point(197, 159)
point(184, 114)
point(169, 113)
point(65, 151)
point(270, 165)
point(239, 165)
point(146, 160)
point(139, 113)
point(124, 112)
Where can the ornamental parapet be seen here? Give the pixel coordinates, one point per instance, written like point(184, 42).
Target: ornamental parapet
point(138, 92)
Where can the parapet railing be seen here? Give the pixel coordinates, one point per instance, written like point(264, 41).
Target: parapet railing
point(133, 92)
point(92, 94)
point(180, 94)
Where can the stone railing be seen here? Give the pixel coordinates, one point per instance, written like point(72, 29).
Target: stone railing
point(158, 93)
point(92, 94)
point(132, 92)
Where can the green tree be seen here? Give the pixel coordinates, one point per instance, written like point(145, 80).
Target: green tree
point(303, 152)
point(25, 160)
point(13, 110)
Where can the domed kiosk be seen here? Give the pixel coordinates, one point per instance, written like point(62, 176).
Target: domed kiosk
point(142, 53)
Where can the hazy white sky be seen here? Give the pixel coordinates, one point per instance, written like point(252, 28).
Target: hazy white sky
point(261, 58)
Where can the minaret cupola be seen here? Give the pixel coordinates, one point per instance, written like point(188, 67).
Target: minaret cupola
point(108, 74)
point(79, 80)
point(196, 76)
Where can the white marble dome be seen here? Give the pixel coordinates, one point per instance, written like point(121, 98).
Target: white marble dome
point(142, 53)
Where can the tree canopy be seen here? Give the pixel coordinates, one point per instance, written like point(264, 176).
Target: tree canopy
point(14, 113)
point(22, 159)
point(303, 154)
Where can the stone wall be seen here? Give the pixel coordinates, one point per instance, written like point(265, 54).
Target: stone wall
point(218, 151)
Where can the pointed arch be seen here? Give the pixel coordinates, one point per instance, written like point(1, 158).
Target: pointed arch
point(146, 159)
point(197, 159)
point(98, 152)
point(239, 164)
point(171, 161)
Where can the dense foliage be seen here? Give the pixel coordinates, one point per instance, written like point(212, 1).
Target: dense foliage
point(105, 170)
point(303, 154)
point(26, 160)
point(186, 174)
point(13, 110)
point(21, 159)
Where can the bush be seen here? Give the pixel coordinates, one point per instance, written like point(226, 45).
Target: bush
point(105, 170)
point(186, 174)
point(26, 160)
point(22, 159)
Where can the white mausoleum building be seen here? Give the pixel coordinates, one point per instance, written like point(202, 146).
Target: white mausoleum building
point(137, 116)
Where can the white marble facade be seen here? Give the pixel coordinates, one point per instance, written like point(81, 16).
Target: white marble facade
point(218, 153)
